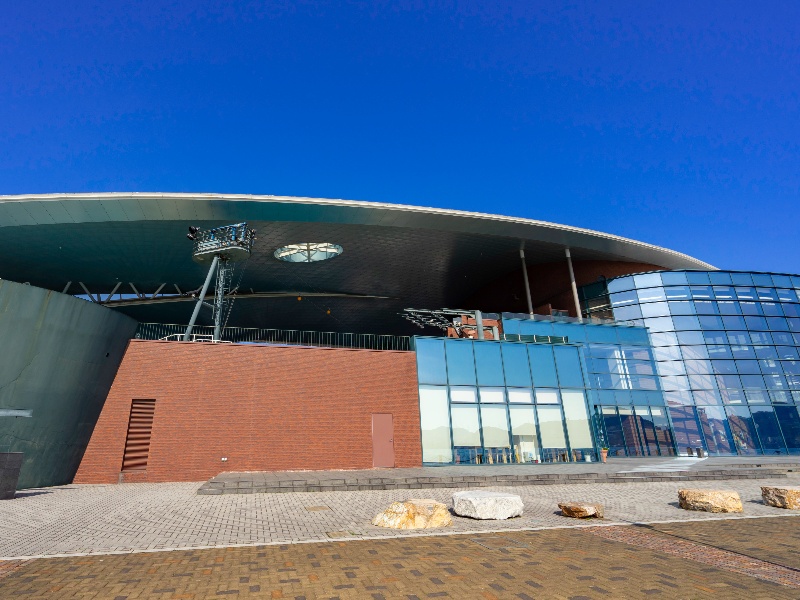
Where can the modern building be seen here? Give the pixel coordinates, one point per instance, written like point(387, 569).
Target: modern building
point(362, 335)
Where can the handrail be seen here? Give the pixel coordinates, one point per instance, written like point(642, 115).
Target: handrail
point(252, 335)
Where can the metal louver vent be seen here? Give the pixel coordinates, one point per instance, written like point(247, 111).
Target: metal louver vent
point(137, 444)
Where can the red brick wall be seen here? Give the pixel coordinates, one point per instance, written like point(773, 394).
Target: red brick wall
point(265, 408)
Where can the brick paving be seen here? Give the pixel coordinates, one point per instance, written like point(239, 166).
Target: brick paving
point(570, 564)
point(101, 519)
point(774, 541)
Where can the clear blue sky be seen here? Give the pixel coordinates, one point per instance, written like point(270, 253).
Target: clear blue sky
point(676, 123)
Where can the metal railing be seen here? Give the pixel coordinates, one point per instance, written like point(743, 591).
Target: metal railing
point(289, 337)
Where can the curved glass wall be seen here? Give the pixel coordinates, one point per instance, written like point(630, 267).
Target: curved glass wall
point(727, 351)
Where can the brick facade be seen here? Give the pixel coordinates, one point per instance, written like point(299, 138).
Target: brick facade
point(265, 408)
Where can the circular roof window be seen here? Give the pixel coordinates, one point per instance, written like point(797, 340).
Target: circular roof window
point(308, 252)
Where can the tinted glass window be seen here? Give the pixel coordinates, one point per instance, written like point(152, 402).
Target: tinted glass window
point(543, 367)
point(515, 363)
point(430, 361)
point(460, 362)
point(489, 363)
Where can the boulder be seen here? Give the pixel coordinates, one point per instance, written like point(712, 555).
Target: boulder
point(415, 513)
point(581, 510)
point(782, 497)
point(487, 505)
point(715, 501)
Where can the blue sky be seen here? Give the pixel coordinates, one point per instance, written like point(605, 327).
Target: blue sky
point(677, 123)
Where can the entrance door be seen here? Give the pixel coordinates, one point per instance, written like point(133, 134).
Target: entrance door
point(382, 440)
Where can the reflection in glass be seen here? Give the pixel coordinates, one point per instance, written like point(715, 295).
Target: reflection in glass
point(551, 428)
point(489, 364)
point(742, 430)
point(430, 361)
point(460, 362)
point(666, 444)
point(435, 424)
point(543, 366)
point(686, 427)
point(789, 420)
point(524, 441)
point(515, 365)
point(578, 429)
point(768, 431)
point(520, 396)
point(492, 395)
point(633, 442)
point(494, 423)
point(463, 394)
point(466, 434)
point(715, 429)
point(646, 430)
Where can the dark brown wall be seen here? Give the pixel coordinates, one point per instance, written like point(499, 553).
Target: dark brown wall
point(264, 408)
point(549, 285)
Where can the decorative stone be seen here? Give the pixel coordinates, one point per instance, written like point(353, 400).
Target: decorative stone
point(581, 510)
point(782, 497)
point(487, 505)
point(714, 501)
point(415, 513)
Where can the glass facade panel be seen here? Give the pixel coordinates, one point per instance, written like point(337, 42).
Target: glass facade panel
point(496, 441)
point(714, 424)
point(551, 428)
point(543, 366)
point(568, 364)
point(489, 364)
point(789, 420)
point(435, 424)
point(460, 362)
point(578, 428)
point(515, 365)
point(466, 434)
point(769, 433)
point(520, 396)
point(524, 439)
point(492, 395)
point(743, 430)
point(431, 366)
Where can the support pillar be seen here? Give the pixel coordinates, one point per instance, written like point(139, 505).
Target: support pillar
point(479, 323)
point(574, 286)
point(200, 299)
point(525, 277)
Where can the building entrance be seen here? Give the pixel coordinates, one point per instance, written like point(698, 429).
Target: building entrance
point(635, 430)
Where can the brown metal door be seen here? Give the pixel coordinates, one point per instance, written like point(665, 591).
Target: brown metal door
point(382, 440)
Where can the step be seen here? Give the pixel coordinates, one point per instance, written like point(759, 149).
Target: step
point(464, 482)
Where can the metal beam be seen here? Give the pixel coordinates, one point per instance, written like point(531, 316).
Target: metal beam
point(114, 291)
point(525, 277)
point(574, 286)
point(197, 306)
point(161, 287)
point(66, 287)
point(88, 293)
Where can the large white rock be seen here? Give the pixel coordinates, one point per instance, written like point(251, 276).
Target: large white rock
point(487, 505)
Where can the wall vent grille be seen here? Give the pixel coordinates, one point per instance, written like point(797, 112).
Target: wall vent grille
point(137, 443)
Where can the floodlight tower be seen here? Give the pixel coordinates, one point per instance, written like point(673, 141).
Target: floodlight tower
point(221, 248)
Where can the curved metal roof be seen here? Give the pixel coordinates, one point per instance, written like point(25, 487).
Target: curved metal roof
point(394, 255)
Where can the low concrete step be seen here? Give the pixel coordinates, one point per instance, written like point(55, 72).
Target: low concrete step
point(243, 485)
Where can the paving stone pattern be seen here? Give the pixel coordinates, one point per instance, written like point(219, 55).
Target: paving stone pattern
point(565, 564)
point(96, 519)
point(466, 477)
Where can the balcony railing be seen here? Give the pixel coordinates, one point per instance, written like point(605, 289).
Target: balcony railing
point(281, 337)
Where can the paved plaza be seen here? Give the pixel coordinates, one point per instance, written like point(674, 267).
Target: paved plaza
point(134, 541)
point(572, 564)
point(97, 519)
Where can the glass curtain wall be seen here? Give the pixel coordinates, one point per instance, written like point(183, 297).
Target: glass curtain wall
point(519, 403)
point(727, 351)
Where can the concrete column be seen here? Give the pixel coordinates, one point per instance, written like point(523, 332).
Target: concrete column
point(574, 286)
point(525, 277)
